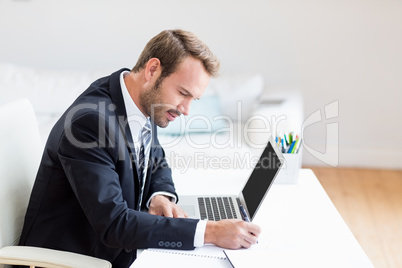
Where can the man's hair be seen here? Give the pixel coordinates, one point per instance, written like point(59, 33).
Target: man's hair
point(171, 47)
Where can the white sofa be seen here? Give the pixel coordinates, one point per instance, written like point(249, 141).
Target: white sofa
point(227, 128)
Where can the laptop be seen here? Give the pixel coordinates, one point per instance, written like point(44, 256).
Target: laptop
point(247, 202)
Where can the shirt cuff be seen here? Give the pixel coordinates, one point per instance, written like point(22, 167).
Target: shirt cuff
point(172, 197)
point(200, 233)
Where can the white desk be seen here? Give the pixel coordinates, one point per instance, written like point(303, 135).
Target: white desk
point(302, 225)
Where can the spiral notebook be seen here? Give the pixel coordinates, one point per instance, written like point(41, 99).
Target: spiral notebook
point(207, 256)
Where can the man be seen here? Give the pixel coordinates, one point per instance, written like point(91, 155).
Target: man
point(101, 189)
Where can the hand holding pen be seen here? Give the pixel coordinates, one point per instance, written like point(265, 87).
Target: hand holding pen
point(244, 215)
point(231, 233)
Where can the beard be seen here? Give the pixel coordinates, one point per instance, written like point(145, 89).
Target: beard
point(152, 103)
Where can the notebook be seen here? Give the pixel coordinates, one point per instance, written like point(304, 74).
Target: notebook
point(218, 207)
point(178, 258)
point(244, 258)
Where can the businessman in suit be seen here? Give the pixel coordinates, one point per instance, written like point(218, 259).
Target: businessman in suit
point(103, 187)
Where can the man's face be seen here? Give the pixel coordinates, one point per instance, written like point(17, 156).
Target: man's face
point(176, 92)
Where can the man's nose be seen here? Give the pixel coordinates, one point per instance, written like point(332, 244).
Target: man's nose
point(184, 107)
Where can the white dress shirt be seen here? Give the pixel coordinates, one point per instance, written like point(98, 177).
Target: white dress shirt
point(136, 121)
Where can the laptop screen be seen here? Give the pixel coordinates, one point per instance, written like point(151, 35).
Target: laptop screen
point(261, 179)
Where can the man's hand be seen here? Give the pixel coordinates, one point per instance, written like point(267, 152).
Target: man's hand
point(161, 205)
point(232, 234)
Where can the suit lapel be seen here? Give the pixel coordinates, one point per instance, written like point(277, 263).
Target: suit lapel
point(121, 114)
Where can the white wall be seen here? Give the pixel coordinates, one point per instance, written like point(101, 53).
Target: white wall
point(348, 51)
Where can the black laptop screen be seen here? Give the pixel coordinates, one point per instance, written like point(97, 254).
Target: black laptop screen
point(261, 179)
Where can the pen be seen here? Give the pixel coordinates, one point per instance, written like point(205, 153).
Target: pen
point(283, 146)
point(291, 137)
point(298, 148)
point(294, 147)
point(245, 216)
point(286, 140)
point(291, 147)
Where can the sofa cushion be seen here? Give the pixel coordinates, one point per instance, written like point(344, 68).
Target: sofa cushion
point(49, 91)
point(205, 117)
point(238, 94)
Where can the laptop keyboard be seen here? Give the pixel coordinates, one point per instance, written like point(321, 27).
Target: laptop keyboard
point(216, 208)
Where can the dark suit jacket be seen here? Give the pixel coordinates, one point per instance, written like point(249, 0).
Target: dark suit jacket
point(85, 197)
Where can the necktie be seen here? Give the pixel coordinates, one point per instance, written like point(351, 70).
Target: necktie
point(144, 157)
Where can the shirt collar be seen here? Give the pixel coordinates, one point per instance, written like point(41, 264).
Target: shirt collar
point(135, 118)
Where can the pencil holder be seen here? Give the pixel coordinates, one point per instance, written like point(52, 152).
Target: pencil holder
point(289, 173)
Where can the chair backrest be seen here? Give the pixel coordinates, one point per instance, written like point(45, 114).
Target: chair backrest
point(20, 152)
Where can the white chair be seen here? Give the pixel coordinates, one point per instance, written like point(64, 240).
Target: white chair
point(20, 152)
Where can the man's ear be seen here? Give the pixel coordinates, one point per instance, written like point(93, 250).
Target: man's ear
point(152, 69)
